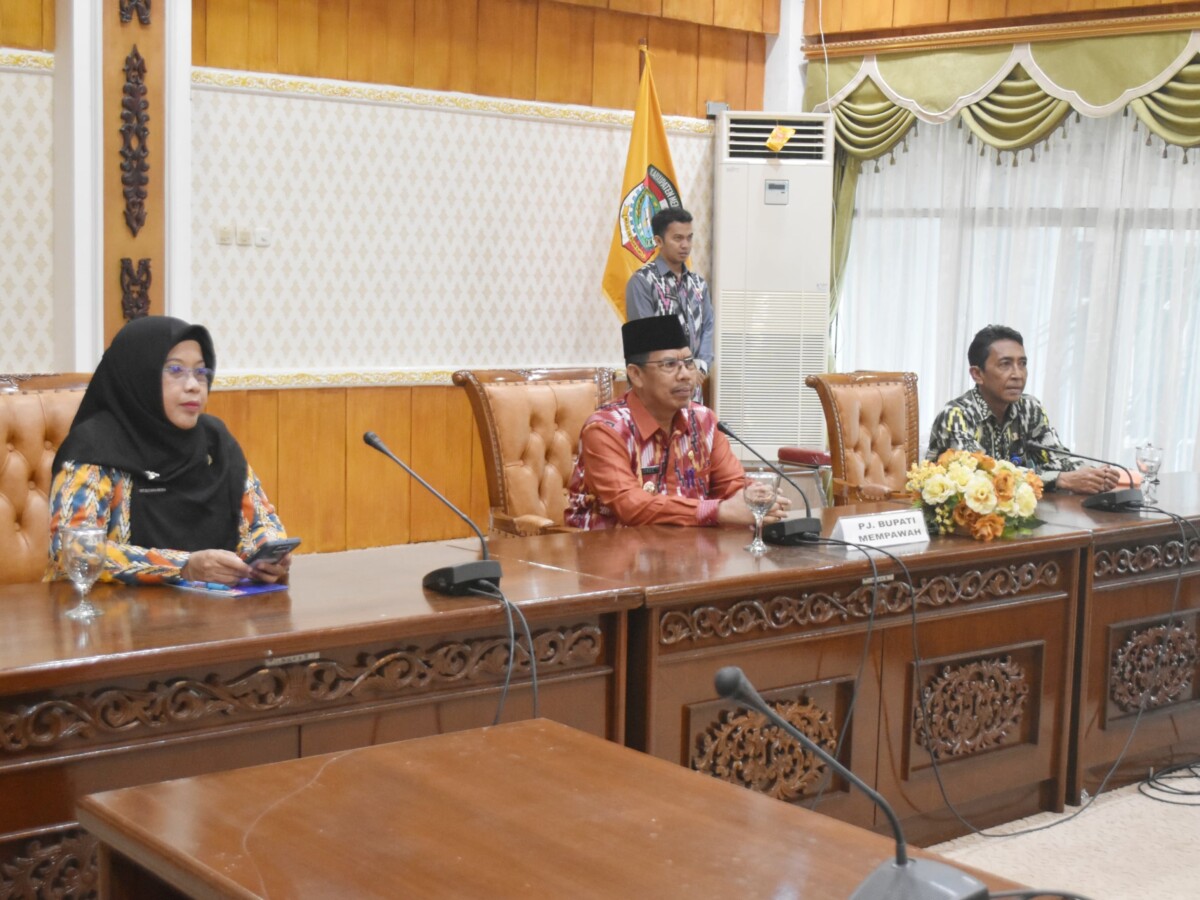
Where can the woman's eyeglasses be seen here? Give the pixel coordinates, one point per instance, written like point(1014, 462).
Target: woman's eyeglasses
point(176, 372)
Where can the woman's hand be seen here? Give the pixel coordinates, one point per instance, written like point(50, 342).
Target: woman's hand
point(218, 566)
point(271, 572)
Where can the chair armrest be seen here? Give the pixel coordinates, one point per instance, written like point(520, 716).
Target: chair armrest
point(805, 456)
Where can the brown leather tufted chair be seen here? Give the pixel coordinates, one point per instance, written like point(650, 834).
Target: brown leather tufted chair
point(32, 426)
point(529, 421)
point(873, 432)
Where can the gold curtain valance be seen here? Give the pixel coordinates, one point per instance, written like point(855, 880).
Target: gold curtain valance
point(1012, 97)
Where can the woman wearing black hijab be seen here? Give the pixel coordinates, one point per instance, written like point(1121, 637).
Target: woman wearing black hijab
point(168, 483)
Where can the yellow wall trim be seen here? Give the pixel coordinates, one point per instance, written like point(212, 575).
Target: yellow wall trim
point(283, 380)
point(472, 103)
point(26, 59)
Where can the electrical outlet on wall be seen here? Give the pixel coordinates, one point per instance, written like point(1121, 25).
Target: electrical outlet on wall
point(262, 237)
point(225, 235)
point(245, 235)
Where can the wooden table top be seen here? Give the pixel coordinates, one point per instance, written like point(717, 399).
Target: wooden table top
point(334, 599)
point(531, 809)
point(1179, 493)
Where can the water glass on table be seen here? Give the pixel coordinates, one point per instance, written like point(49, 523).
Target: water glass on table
point(83, 552)
point(761, 492)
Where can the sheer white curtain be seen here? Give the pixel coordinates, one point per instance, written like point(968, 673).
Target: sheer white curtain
point(1092, 252)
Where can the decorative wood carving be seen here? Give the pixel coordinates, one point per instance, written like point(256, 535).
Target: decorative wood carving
point(141, 7)
point(1144, 558)
point(972, 707)
point(135, 288)
point(134, 141)
point(743, 748)
point(1156, 664)
point(781, 612)
point(55, 865)
point(294, 687)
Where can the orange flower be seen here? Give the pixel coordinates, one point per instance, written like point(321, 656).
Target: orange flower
point(987, 527)
point(1036, 483)
point(985, 462)
point(1004, 483)
point(948, 456)
point(964, 516)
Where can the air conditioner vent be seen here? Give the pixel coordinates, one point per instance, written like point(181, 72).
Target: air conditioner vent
point(747, 139)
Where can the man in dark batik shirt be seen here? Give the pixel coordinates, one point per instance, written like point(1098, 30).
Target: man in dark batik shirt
point(996, 417)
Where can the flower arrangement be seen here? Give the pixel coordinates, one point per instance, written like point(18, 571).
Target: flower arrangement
point(976, 494)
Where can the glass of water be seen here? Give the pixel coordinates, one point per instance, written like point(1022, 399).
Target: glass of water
point(83, 553)
point(761, 492)
point(1149, 460)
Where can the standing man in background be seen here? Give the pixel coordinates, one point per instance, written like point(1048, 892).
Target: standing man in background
point(665, 286)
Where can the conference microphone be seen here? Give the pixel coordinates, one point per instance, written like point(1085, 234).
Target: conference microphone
point(464, 578)
point(785, 531)
point(899, 879)
point(1112, 501)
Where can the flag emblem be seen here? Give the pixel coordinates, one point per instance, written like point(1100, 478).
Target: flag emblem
point(651, 194)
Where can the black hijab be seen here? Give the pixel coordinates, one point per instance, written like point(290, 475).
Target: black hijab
point(187, 482)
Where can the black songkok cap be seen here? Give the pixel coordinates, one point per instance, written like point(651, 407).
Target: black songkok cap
point(643, 336)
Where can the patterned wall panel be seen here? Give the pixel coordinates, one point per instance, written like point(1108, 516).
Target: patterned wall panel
point(409, 229)
point(26, 212)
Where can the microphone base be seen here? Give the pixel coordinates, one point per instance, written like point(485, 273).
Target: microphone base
point(1114, 501)
point(789, 532)
point(464, 577)
point(919, 879)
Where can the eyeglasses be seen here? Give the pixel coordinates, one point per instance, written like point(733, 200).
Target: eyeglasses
point(671, 366)
point(176, 372)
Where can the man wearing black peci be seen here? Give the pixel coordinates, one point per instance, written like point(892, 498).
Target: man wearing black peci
point(996, 417)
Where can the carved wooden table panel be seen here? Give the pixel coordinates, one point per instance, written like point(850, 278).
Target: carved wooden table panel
point(171, 683)
point(1131, 645)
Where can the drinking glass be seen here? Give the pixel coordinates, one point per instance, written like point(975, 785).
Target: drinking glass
point(1149, 461)
point(761, 491)
point(84, 550)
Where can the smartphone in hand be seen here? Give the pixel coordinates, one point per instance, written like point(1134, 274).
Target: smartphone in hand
point(273, 551)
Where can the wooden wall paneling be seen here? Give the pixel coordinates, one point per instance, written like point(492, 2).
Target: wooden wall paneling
point(598, 4)
point(367, 41)
point(830, 21)
point(48, 19)
point(722, 69)
point(299, 43)
point(756, 69)
point(262, 44)
point(442, 418)
point(565, 40)
point(865, 15)
point(401, 31)
point(975, 10)
point(507, 58)
point(741, 15)
point(199, 33)
point(480, 509)
point(673, 50)
point(21, 24)
point(638, 7)
point(253, 418)
point(615, 63)
point(378, 492)
point(446, 35)
point(332, 21)
point(311, 498)
point(227, 34)
point(770, 16)
point(1081, 5)
point(917, 12)
point(698, 11)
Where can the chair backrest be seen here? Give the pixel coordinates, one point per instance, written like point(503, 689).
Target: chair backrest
point(529, 422)
point(32, 426)
point(872, 420)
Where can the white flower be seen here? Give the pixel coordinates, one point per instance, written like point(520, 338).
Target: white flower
point(979, 494)
point(937, 489)
point(1025, 500)
point(960, 474)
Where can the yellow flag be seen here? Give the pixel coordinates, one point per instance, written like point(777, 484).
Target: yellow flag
point(649, 185)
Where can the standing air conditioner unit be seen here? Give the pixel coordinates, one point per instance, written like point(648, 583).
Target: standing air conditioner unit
point(773, 216)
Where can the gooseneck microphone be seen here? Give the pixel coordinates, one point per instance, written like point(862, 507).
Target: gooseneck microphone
point(464, 578)
point(785, 531)
point(1114, 501)
point(899, 879)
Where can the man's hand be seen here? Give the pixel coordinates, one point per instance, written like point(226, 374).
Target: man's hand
point(1089, 479)
point(734, 511)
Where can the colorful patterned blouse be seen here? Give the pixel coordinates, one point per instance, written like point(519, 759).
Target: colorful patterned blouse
point(85, 494)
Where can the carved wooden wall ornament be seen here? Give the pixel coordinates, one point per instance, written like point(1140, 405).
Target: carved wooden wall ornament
point(53, 865)
point(1127, 561)
point(743, 748)
point(134, 148)
point(295, 687)
point(971, 707)
point(141, 7)
point(820, 607)
point(1155, 664)
point(135, 288)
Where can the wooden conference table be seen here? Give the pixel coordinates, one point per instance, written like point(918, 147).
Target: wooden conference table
point(170, 683)
point(532, 809)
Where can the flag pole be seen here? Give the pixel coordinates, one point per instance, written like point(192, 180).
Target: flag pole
point(643, 49)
